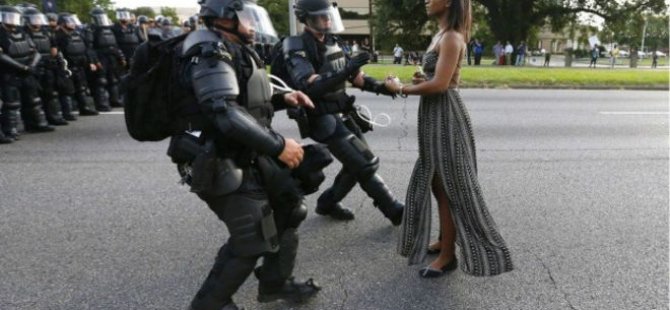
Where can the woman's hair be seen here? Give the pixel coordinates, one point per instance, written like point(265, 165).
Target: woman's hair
point(460, 17)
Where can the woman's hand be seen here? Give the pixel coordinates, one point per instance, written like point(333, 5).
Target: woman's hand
point(392, 84)
point(418, 78)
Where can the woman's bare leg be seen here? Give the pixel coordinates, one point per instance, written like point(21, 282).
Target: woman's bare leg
point(447, 244)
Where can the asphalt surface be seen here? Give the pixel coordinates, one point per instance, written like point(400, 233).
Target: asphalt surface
point(577, 182)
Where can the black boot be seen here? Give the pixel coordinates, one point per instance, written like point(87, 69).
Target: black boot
point(101, 97)
point(227, 275)
point(53, 112)
point(274, 276)
point(329, 201)
point(34, 119)
point(86, 105)
point(383, 199)
point(326, 206)
point(114, 96)
point(291, 290)
point(66, 107)
point(3, 138)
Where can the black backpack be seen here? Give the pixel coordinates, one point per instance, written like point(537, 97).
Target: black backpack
point(153, 97)
point(278, 63)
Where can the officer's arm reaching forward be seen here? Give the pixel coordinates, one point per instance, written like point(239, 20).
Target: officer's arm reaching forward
point(314, 84)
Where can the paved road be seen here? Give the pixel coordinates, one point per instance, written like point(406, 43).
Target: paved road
point(576, 180)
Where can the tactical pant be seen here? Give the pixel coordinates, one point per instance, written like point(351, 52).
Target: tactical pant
point(106, 83)
point(20, 93)
point(79, 91)
point(256, 229)
point(50, 96)
point(346, 142)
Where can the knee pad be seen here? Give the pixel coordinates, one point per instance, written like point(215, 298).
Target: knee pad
point(322, 127)
point(355, 156)
point(250, 223)
point(298, 214)
point(11, 105)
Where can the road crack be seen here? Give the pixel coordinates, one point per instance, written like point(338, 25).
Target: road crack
point(553, 281)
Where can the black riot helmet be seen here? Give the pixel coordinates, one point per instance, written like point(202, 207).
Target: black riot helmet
point(52, 17)
point(68, 21)
point(34, 18)
point(123, 15)
point(142, 19)
point(10, 16)
point(320, 15)
point(99, 18)
point(245, 12)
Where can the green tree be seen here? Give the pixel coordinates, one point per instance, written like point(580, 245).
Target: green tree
point(403, 22)
point(171, 13)
point(508, 20)
point(144, 10)
point(278, 11)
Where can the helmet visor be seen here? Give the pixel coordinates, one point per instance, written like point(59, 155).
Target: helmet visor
point(327, 20)
point(102, 20)
point(257, 18)
point(123, 15)
point(75, 20)
point(37, 20)
point(11, 18)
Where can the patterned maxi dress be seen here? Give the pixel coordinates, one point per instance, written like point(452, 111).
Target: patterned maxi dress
point(447, 151)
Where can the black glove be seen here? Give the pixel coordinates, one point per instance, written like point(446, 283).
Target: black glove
point(377, 87)
point(356, 62)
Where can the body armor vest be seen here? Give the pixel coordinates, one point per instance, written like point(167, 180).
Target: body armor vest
point(104, 39)
point(129, 37)
point(259, 94)
point(75, 50)
point(20, 48)
point(333, 61)
point(42, 43)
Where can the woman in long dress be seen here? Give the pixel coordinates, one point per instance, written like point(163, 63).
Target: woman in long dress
point(447, 164)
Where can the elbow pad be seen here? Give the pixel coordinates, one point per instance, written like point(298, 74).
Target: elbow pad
point(234, 122)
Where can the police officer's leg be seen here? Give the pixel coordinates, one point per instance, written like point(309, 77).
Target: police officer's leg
point(275, 275)
point(32, 112)
point(49, 94)
point(113, 84)
point(11, 106)
point(3, 138)
point(246, 217)
point(329, 201)
point(100, 94)
point(82, 93)
point(358, 160)
point(65, 88)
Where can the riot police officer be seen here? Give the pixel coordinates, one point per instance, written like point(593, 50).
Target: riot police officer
point(75, 86)
point(36, 26)
point(109, 59)
point(318, 66)
point(127, 35)
point(229, 83)
point(18, 63)
point(142, 25)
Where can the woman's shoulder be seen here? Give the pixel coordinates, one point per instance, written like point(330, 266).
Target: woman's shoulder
point(452, 39)
point(453, 36)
